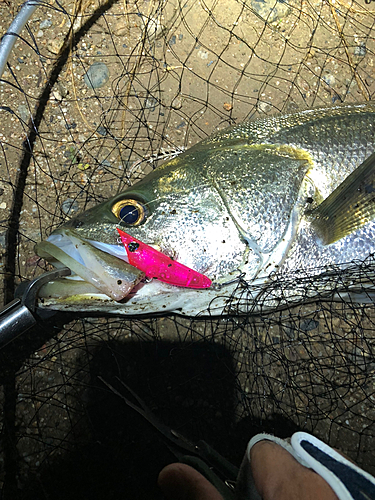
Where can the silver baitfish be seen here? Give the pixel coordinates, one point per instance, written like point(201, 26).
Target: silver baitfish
point(275, 194)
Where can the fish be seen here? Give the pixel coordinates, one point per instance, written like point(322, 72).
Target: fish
point(263, 198)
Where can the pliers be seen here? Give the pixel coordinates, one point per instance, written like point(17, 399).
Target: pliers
point(22, 313)
point(217, 469)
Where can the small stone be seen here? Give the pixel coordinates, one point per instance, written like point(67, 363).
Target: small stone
point(329, 79)
point(292, 107)
point(303, 84)
point(23, 112)
point(54, 45)
point(227, 106)
point(181, 125)
point(70, 206)
point(150, 103)
point(270, 10)
point(177, 102)
point(47, 23)
point(308, 325)
point(360, 50)
point(102, 131)
point(290, 332)
point(264, 106)
point(172, 41)
point(203, 54)
point(40, 34)
point(3, 205)
point(97, 75)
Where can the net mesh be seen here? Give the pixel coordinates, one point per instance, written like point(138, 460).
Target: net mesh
point(96, 95)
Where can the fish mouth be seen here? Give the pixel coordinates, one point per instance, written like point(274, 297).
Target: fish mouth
point(102, 281)
point(96, 267)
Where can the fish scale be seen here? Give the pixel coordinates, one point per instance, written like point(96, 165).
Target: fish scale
point(267, 195)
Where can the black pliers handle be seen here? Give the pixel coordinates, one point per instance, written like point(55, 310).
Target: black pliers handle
point(20, 315)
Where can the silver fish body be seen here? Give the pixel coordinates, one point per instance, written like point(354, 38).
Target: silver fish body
point(238, 202)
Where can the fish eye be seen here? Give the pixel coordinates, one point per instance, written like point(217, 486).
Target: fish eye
point(129, 211)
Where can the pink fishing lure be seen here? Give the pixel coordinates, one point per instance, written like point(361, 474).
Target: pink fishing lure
point(157, 265)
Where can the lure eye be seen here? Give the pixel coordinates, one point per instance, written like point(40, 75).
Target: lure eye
point(129, 212)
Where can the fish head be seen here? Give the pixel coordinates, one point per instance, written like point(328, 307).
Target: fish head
point(175, 209)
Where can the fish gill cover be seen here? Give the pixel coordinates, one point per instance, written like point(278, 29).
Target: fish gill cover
point(96, 95)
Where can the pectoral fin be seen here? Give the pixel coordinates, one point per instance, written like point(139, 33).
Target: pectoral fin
point(350, 206)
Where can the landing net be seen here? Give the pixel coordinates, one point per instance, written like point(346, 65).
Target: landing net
point(162, 76)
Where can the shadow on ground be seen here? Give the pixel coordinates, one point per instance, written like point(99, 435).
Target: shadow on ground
point(190, 388)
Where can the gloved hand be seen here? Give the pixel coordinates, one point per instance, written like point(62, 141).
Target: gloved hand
point(279, 471)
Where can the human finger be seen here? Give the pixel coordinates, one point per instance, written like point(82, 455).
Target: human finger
point(182, 482)
point(278, 476)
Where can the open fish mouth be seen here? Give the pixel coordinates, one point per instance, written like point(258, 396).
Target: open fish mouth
point(96, 267)
point(100, 272)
